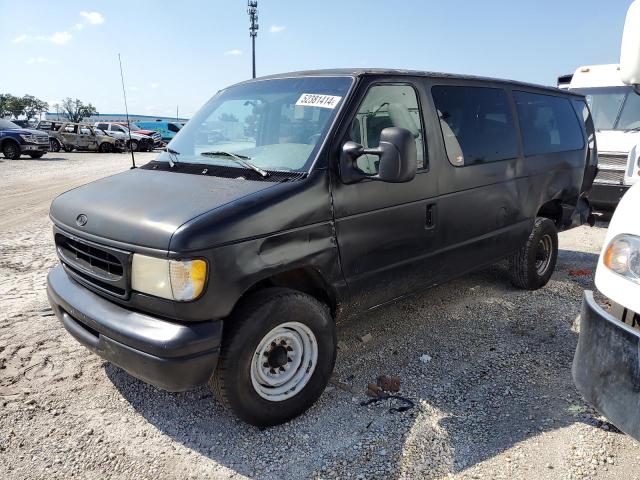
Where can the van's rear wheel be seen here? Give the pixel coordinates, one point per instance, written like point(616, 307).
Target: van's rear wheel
point(276, 357)
point(532, 266)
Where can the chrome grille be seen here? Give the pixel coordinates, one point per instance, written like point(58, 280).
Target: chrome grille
point(612, 162)
point(610, 177)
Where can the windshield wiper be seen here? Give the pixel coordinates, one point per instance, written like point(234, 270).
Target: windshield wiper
point(241, 159)
point(173, 156)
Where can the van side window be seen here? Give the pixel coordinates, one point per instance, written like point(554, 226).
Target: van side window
point(549, 124)
point(103, 126)
point(387, 106)
point(477, 124)
point(172, 127)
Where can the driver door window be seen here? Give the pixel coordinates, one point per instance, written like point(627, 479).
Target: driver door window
point(387, 106)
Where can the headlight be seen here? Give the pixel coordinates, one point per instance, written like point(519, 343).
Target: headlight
point(623, 256)
point(27, 137)
point(173, 279)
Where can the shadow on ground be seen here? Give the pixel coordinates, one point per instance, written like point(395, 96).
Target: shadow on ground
point(500, 373)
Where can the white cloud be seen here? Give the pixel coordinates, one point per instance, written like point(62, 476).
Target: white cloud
point(60, 38)
point(235, 52)
point(154, 85)
point(40, 60)
point(277, 28)
point(94, 18)
point(20, 38)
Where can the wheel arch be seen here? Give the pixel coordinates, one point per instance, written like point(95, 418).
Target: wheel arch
point(5, 140)
point(304, 279)
point(552, 210)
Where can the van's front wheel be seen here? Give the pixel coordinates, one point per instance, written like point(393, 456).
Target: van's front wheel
point(532, 266)
point(276, 357)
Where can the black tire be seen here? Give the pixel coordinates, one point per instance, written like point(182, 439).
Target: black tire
point(68, 148)
point(250, 325)
point(532, 266)
point(54, 145)
point(133, 145)
point(105, 147)
point(36, 155)
point(11, 150)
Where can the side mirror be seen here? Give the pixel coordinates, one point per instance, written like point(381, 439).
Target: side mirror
point(398, 158)
point(630, 49)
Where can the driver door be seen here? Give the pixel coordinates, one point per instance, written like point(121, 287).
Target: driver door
point(386, 232)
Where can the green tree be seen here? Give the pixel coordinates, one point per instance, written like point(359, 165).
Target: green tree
point(33, 106)
point(15, 106)
point(4, 104)
point(75, 111)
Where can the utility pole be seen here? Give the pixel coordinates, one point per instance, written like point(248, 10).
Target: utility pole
point(252, 10)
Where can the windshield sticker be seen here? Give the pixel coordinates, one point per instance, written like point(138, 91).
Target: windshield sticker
point(314, 100)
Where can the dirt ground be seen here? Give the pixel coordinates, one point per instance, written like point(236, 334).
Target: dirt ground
point(493, 397)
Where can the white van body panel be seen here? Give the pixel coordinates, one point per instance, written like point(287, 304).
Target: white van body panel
point(626, 219)
point(597, 76)
point(612, 142)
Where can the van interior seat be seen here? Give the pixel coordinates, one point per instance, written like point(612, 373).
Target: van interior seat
point(400, 117)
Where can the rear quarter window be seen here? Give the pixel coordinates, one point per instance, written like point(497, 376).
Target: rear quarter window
point(549, 124)
point(477, 124)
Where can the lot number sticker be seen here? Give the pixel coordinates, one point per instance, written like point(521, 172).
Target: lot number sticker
point(314, 100)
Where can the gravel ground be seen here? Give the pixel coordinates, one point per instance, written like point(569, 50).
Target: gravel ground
point(493, 397)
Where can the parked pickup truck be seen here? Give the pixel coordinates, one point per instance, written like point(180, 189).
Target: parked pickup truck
point(138, 142)
point(16, 141)
point(229, 258)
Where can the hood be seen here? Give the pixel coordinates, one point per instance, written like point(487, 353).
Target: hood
point(145, 207)
point(617, 141)
point(23, 131)
point(144, 132)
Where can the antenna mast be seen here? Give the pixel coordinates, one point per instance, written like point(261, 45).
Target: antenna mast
point(252, 10)
point(126, 110)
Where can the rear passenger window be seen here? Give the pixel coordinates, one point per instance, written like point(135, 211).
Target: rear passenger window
point(477, 124)
point(549, 124)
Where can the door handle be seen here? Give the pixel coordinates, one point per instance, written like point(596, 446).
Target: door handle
point(430, 217)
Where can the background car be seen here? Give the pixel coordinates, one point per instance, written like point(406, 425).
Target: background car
point(167, 130)
point(79, 136)
point(16, 141)
point(135, 128)
point(137, 142)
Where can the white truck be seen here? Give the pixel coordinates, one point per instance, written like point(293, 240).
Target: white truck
point(615, 108)
point(606, 366)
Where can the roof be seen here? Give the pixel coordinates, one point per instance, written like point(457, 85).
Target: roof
point(361, 72)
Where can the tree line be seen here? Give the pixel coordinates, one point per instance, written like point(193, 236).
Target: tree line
point(73, 110)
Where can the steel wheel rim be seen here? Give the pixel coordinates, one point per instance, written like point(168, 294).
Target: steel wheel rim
point(543, 254)
point(292, 343)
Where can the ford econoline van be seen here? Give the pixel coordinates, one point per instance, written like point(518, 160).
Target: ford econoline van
point(290, 201)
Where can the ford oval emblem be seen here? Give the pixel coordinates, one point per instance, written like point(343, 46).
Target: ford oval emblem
point(81, 220)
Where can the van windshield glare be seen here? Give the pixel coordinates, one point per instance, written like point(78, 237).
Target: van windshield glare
point(279, 124)
point(613, 108)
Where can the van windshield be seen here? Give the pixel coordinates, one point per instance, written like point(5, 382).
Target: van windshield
point(613, 108)
point(277, 124)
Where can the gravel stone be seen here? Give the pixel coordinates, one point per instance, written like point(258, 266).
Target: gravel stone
point(500, 404)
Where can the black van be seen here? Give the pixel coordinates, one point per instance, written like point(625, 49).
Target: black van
point(289, 201)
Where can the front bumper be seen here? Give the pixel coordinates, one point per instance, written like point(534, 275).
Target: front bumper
point(169, 355)
point(34, 147)
point(606, 366)
point(606, 197)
